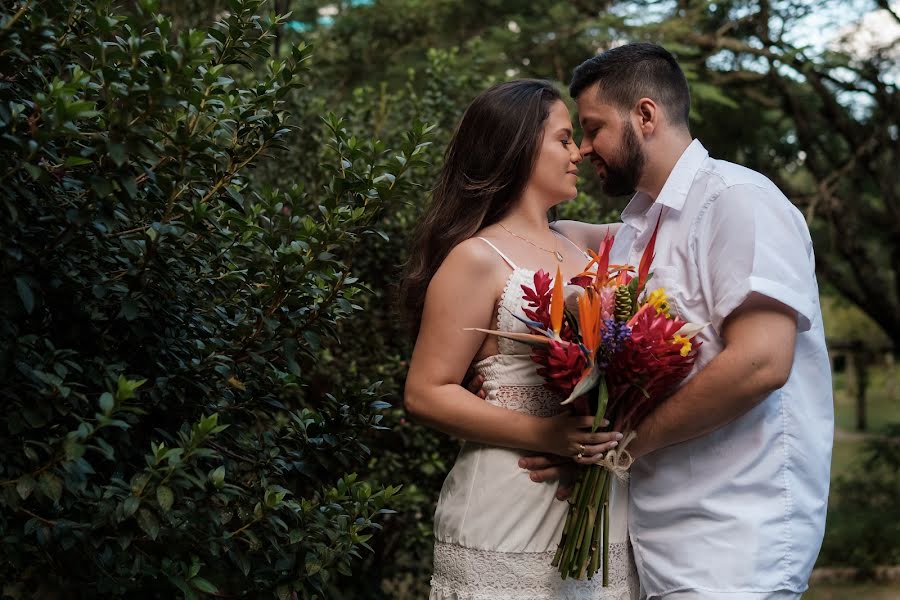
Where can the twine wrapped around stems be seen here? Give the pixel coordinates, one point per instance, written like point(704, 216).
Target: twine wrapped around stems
point(619, 460)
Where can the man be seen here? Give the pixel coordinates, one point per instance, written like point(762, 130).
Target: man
point(730, 486)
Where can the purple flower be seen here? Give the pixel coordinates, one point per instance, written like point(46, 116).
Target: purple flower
point(613, 337)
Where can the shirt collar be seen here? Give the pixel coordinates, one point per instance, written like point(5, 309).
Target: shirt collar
point(675, 190)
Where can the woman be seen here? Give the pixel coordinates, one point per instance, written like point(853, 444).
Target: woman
point(483, 236)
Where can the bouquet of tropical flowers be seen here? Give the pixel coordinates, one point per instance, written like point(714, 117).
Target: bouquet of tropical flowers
point(615, 352)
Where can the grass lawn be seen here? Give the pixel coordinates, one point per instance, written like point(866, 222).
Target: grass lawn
point(882, 400)
point(854, 591)
point(882, 407)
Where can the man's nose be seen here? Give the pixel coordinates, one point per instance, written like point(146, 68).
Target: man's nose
point(585, 148)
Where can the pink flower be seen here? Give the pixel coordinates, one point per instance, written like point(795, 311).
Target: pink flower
point(607, 302)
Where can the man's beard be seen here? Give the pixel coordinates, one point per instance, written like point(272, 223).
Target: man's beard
point(623, 175)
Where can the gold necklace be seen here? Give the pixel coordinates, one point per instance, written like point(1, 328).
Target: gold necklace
point(555, 252)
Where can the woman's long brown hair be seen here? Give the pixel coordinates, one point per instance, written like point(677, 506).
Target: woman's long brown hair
point(486, 167)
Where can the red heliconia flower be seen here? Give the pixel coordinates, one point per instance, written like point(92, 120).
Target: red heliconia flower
point(538, 299)
point(561, 366)
point(647, 323)
point(647, 259)
point(646, 369)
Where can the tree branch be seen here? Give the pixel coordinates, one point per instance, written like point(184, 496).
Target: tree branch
point(885, 5)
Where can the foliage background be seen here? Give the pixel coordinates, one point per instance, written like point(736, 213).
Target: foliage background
point(214, 201)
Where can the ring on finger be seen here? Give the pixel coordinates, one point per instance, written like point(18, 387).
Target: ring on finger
point(581, 451)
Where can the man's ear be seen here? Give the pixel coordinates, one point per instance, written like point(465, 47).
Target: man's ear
point(648, 115)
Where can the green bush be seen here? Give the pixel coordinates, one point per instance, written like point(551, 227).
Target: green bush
point(162, 317)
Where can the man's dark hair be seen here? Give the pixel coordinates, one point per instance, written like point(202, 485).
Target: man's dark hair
point(634, 71)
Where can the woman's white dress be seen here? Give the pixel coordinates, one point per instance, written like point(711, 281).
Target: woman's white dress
point(496, 531)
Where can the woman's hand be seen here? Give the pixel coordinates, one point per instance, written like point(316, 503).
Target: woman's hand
point(571, 436)
point(555, 467)
point(575, 430)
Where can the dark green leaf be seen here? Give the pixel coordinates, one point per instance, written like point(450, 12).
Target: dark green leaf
point(117, 153)
point(24, 486)
point(165, 498)
point(148, 522)
point(204, 586)
point(25, 294)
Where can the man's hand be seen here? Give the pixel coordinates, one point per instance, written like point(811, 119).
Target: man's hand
point(548, 467)
point(474, 382)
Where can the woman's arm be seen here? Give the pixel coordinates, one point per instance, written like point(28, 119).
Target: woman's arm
point(586, 235)
point(463, 294)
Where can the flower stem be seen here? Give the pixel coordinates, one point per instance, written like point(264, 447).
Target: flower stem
point(594, 505)
point(596, 537)
point(576, 515)
point(585, 539)
point(606, 535)
point(567, 530)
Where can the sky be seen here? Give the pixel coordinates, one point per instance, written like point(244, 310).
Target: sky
point(874, 29)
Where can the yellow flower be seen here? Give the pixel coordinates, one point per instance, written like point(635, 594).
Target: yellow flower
point(658, 300)
point(685, 344)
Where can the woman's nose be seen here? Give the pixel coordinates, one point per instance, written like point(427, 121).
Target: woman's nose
point(576, 156)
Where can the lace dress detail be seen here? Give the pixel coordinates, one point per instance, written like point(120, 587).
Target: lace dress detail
point(534, 400)
point(474, 574)
point(505, 319)
point(496, 531)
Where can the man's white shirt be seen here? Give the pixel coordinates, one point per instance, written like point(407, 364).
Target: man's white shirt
point(742, 509)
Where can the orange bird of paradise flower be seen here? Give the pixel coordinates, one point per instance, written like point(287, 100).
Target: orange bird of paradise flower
point(589, 320)
point(557, 303)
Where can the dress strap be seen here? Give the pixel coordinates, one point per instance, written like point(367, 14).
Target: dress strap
point(497, 250)
point(570, 241)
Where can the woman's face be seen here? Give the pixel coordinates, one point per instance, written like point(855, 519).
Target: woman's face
point(555, 173)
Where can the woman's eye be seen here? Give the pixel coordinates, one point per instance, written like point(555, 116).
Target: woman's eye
point(566, 141)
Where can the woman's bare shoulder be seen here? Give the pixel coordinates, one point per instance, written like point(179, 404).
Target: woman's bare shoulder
point(473, 254)
point(471, 260)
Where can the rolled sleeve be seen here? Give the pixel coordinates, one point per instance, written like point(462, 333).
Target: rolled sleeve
point(752, 239)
